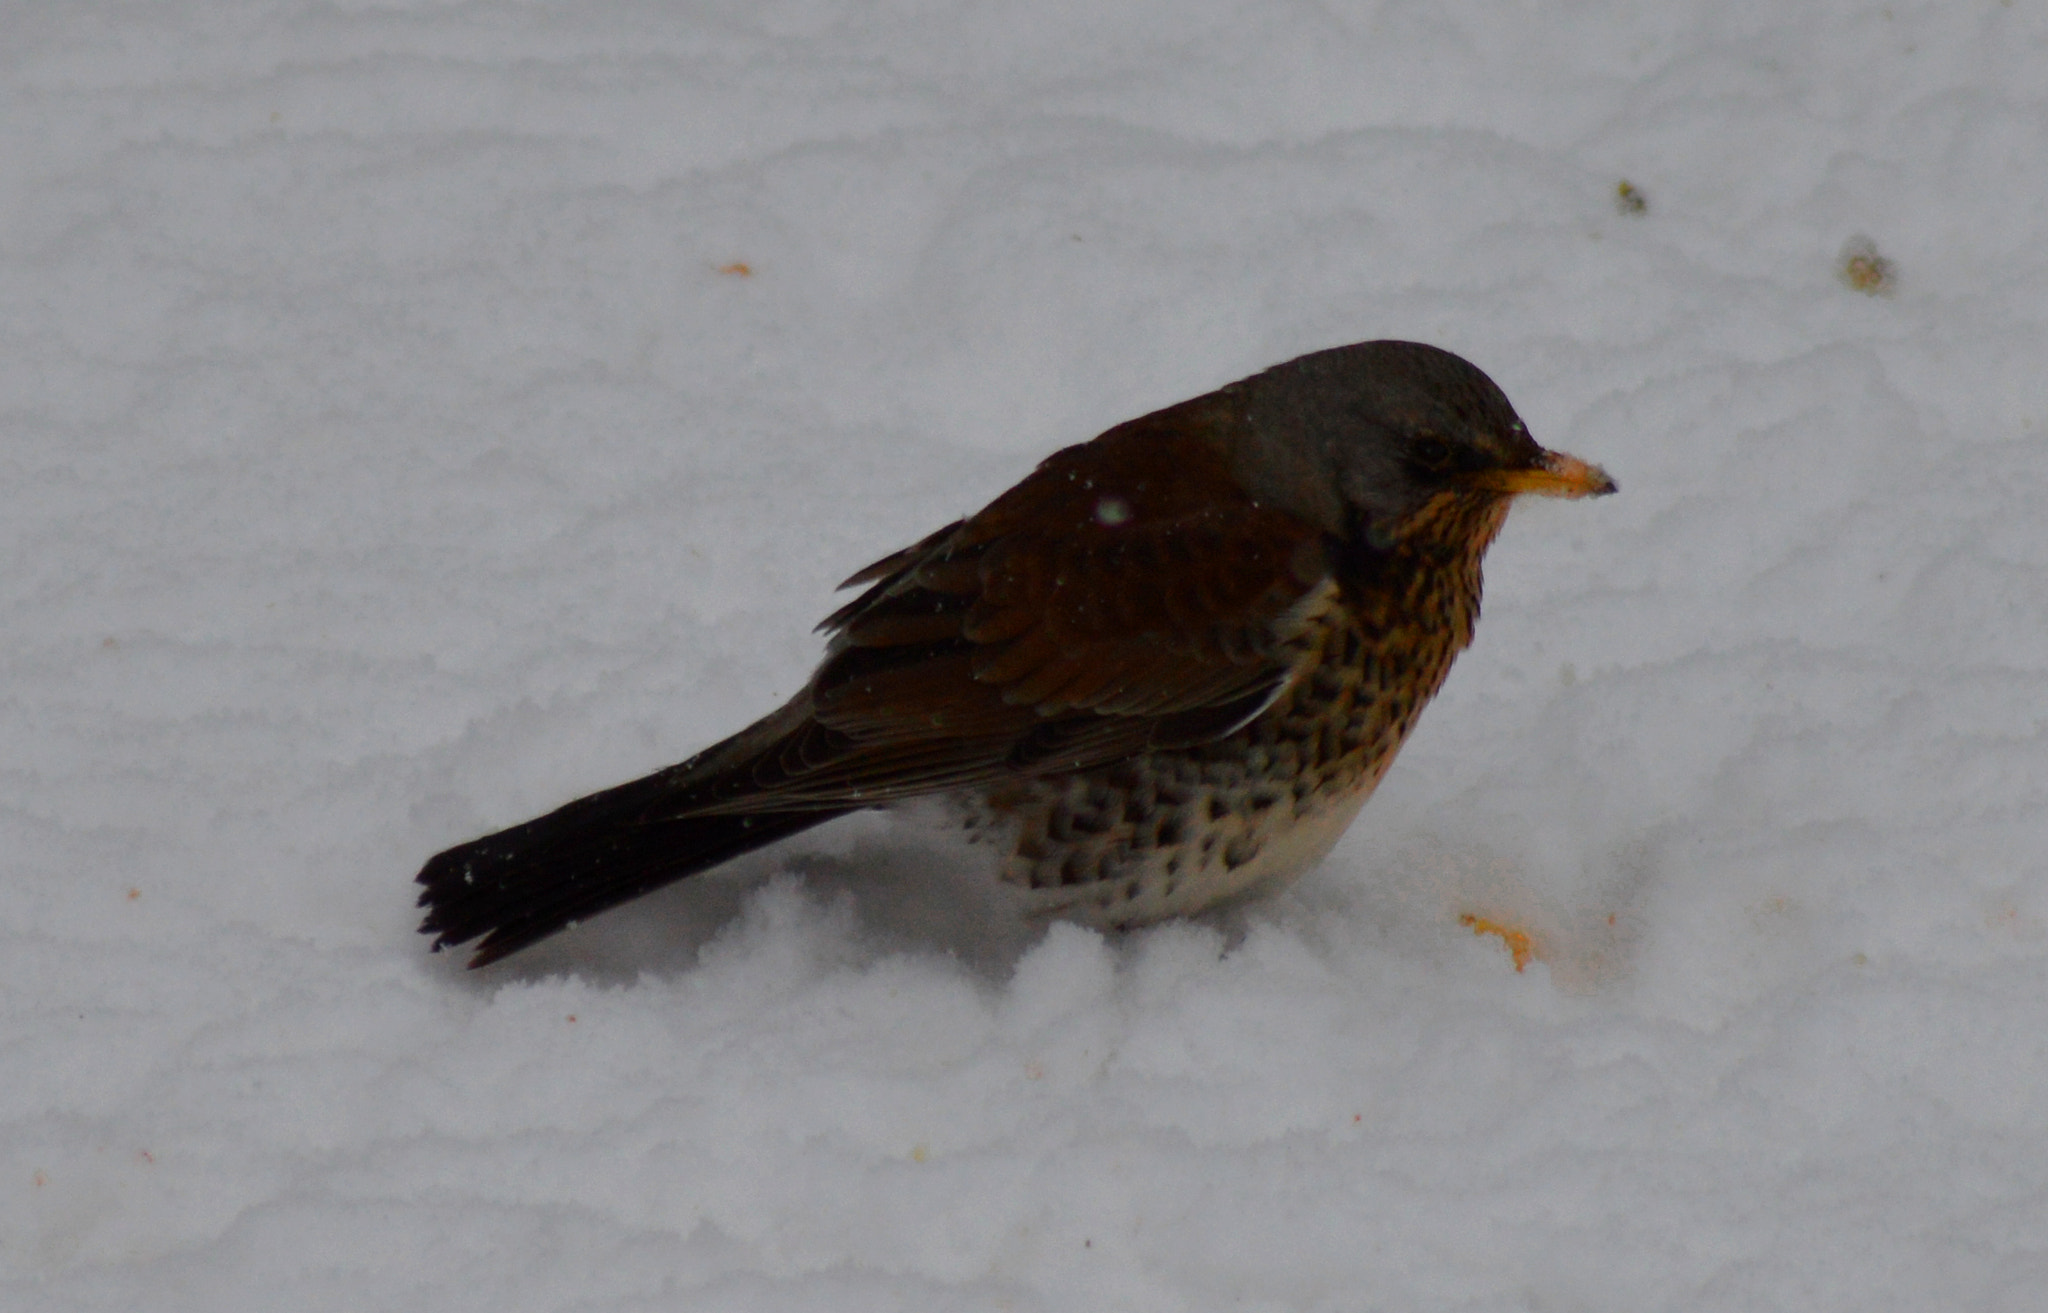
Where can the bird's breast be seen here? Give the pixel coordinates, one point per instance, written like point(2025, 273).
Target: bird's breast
point(1176, 832)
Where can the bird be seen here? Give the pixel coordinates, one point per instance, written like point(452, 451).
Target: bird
point(1159, 675)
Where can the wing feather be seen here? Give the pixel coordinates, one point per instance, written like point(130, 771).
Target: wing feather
point(1128, 593)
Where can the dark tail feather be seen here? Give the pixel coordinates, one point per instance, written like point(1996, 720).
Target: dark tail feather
point(523, 884)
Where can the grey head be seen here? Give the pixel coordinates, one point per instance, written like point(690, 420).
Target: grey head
point(1378, 431)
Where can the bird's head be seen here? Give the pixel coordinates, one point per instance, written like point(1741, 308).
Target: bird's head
point(1389, 437)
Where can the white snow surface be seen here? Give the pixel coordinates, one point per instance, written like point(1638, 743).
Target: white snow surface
point(393, 448)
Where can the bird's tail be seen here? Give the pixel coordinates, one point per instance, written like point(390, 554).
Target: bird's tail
point(525, 883)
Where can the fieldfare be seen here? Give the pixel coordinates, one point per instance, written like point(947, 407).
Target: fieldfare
point(1163, 671)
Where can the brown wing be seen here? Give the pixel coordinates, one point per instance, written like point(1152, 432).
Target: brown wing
point(1128, 594)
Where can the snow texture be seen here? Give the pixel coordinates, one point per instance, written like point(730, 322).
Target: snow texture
point(418, 414)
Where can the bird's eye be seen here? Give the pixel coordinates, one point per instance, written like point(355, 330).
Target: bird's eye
point(1432, 452)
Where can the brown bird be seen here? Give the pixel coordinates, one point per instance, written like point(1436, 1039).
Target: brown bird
point(1164, 670)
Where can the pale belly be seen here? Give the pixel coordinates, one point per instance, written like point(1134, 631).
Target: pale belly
point(1177, 832)
point(1152, 893)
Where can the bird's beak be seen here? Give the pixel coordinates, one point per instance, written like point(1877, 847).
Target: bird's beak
point(1556, 475)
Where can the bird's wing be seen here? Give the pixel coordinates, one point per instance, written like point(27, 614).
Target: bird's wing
point(1127, 595)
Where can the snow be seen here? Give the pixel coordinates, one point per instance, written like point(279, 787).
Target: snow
point(416, 415)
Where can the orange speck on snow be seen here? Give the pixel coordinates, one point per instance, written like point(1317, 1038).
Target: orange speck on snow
point(1521, 946)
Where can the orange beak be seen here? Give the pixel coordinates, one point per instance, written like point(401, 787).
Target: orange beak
point(1558, 475)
